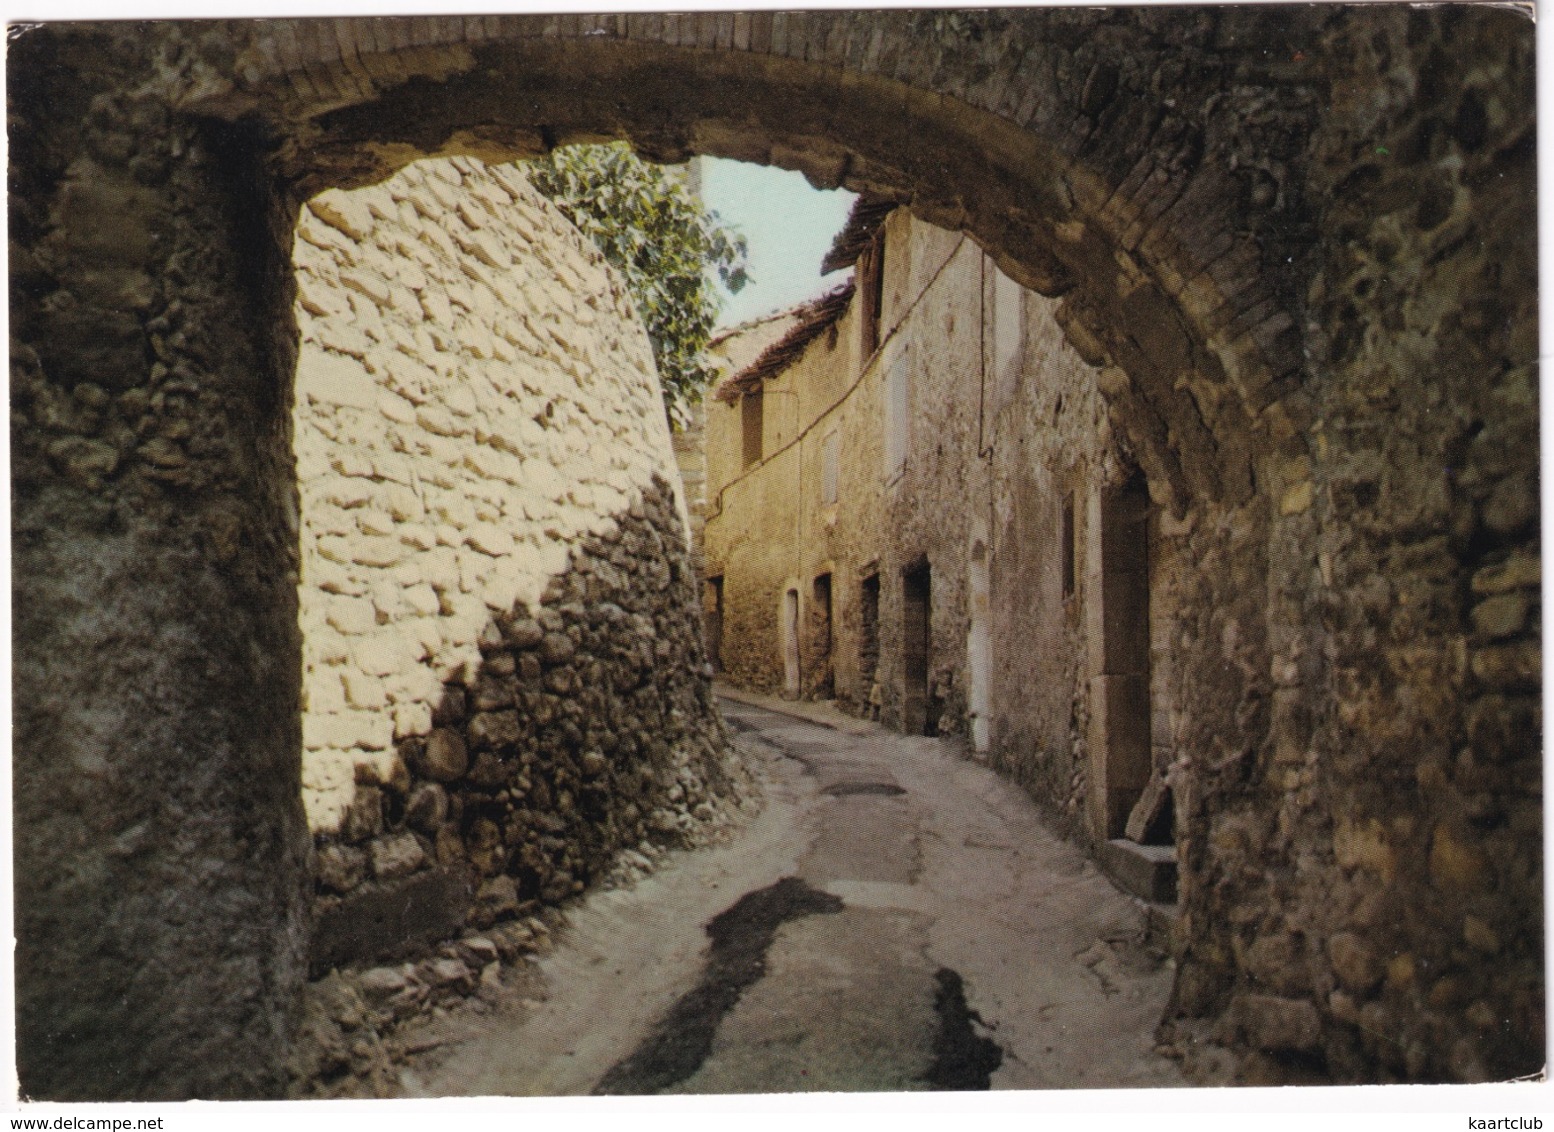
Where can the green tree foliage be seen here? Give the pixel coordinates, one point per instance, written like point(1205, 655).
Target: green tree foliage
point(666, 245)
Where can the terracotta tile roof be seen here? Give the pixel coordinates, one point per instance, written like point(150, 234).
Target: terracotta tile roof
point(867, 214)
point(813, 318)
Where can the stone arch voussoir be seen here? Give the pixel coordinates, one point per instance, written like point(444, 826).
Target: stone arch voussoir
point(1132, 187)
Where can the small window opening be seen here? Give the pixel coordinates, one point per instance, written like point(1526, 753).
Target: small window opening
point(871, 291)
point(830, 468)
point(752, 410)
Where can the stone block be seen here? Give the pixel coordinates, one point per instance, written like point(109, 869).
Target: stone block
point(395, 856)
point(1355, 962)
point(374, 522)
point(419, 536)
point(381, 656)
point(490, 540)
point(1456, 862)
point(1277, 1024)
point(524, 633)
point(460, 400)
point(363, 817)
point(324, 692)
point(438, 422)
point(1503, 615)
point(331, 577)
point(367, 731)
point(494, 728)
point(362, 691)
point(347, 492)
point(1480, 936)
point(1520, 571)
point(352, 616)
point(1510, 667)
point(379, 984)
point(556, 648)
point(341, 868)
point(377, 552)
point(411, 719)
point(427, 808)
point(344, 212)
point(445, 757)
point(1364, 845)
point(385, 920)
point(422, 599)
point(369, 284)
point(497, 900)
point(1146, 871)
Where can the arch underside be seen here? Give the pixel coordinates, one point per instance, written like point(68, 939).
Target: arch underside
point(1108, 196)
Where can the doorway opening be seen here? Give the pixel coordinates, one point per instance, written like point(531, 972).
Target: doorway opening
point(916, 619)
point(979, 651)
point(712, 617)
point(823, 684)
point(1131, 804)
point(1120, 714)
point(790, 644)
point(869, 644)
point(752, 426)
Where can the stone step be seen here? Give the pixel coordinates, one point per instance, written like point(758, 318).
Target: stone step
point(1146, 871)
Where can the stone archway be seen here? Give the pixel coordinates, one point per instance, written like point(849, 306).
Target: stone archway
point(1272, 229)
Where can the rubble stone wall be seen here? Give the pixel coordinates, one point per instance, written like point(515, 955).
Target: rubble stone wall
point(503, 676)
point(1377, 861)
point(160, 847)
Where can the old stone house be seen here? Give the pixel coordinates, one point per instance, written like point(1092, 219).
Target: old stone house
point(924, 512)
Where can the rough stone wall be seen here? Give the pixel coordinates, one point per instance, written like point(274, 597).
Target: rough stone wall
point(690, 457)
point(1051, 447)
point(1050, 439)
point(502, 671)
point(756, 568)
point(932, 307)
point(721, 460)
point(1378, 860)
point(160, 848)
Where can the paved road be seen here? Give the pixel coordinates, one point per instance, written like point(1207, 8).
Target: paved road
point(897, 918)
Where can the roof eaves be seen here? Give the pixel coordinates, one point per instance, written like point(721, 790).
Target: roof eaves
point(868, 213)
point(813, 319)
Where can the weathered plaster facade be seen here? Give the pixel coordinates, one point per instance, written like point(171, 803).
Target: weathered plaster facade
point(1293, 241)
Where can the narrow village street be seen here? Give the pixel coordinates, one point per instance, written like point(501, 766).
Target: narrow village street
point(896, 918)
